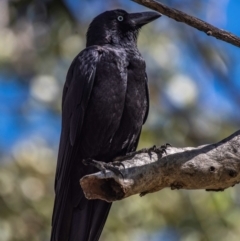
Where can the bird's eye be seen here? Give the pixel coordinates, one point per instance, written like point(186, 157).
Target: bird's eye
point(120, 18)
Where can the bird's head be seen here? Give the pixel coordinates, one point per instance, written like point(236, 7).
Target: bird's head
point(117, 27)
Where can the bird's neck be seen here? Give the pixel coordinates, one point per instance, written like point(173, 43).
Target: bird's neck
point(124, 40)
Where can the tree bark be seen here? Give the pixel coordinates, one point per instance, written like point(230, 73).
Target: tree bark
point(213, 167)
point(192, 21)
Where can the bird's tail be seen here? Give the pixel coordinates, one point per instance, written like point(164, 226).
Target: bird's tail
point(82, 223)
point(87, 224)
point(74, 217)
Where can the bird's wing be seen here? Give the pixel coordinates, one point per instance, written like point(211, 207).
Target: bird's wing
point(147, 95)
point(76, 94)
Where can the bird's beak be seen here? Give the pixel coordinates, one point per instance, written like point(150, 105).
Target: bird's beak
point(140, 19)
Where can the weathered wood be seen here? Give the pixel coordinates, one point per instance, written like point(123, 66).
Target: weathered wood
point(191, 21)
point(213, 167)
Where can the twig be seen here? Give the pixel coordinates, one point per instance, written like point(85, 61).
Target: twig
point(213, 167)
point(192, 21)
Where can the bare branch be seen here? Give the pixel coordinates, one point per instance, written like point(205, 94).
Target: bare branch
point(213, 167)
point(192, 21)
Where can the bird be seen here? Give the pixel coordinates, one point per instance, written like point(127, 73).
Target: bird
point(105, 103)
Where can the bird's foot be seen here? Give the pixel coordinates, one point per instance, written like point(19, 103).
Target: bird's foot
point(103, 166)
point(159, 150)
point(162, 149)
point(118, 164)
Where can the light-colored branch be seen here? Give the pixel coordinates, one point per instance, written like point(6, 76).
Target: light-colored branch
point(192, 21)
point(213, 167)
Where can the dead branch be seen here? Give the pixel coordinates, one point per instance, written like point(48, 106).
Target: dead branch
point(192, 21)
point(213, 167)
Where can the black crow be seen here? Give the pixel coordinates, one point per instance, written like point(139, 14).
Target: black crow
point(104, 105)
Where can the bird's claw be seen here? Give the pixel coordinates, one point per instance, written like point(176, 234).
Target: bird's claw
point(159, 150)
point(162, 149)
point(102, 166)
point(118, 164)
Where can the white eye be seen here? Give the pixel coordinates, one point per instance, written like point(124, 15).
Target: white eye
point(120, 18)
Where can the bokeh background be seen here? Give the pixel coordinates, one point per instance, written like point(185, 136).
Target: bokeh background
point(194, 87)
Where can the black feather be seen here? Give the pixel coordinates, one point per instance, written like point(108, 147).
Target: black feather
point(104, 105)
